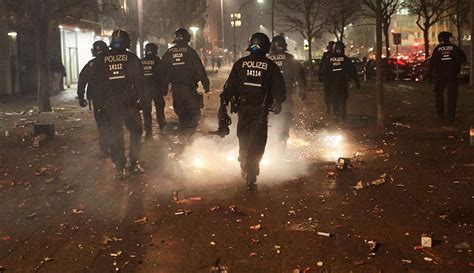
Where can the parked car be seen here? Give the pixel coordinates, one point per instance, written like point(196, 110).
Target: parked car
point(420, 70)
point(389, 66)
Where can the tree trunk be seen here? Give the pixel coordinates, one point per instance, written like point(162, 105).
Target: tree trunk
point(426, 37)
point(44, 103)
point(310, 58)
point(378, 82)
point(459, 27)
point(387, 39)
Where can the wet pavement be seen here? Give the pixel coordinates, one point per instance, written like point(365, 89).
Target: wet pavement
point(62, 210)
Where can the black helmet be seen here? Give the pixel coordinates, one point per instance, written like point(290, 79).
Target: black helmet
point(444, 37)
point(151, 49)
point(259, 43)
point(330, 45)
point(99, 47)
point(120, 39)
point(339, 48)
point(279, 43)
point(182, 35)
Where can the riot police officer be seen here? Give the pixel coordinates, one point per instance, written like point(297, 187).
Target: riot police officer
point(293, 73)
point(98, 47)
point(184, 70)
point(155, 89)
point(120, 81)
point(327, 99)
point(446, 63)
point(337, 70)
point(255, 85)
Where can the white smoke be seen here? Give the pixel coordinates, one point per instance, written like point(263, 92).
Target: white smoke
point(210, 159)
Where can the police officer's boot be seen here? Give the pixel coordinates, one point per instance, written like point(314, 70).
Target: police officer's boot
point(136, 168)
point(251, 180)
point(121, 174)
point(148, 136)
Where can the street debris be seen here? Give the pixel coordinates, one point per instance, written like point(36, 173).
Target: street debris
point(141, 221)
point(6, 238)
point(319, 263)
point(406, 261)
point(189, 200)
point(178, 195)
point(277, 248)
point(359, 185)
point(324, 234)
point(214, 208)
point(331, 175)
point(401, 125)
point(77, 211)
point(463, 245)
point(31, 216)
point(378, 181)
point(343, 163)
point(373, 246)
point(256, 227)
point(426, 241)
point(183, 212)
point(45, 260)
point(116, 254)
point(107, 240)
point(219, 269)
point(428, 259)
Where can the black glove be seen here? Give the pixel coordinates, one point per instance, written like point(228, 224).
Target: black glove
point(82, 102)
point(358, 85)
point(276, 107)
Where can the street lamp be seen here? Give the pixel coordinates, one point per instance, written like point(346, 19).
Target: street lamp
point(194, 31)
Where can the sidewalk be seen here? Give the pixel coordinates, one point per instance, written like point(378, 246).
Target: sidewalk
point(62, 210)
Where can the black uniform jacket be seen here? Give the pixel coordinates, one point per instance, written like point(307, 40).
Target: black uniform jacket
point(446, 60)
point(183, 66)
point(118, 76)
point(290, 68)
point(154, 74)
point(255, 80)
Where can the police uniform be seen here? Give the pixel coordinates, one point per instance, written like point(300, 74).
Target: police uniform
point(330, 108)
point(184, 70)
point(293, 73)
point(83, 81)
point(256, 83)
point(337, 70)
point(155, 90)
point(446, 63)
point(120, 80)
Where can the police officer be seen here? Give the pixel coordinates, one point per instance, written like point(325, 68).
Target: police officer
point(327, 100)
point(184, 70)
point(255, 85)
point(337, 70)
point(155, 89)
point(85, 76)
point(120, 81)
point(293, 73)
point(446, 62)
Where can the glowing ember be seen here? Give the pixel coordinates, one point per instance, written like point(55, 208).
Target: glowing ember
point(198, 162)
point(333, 140)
